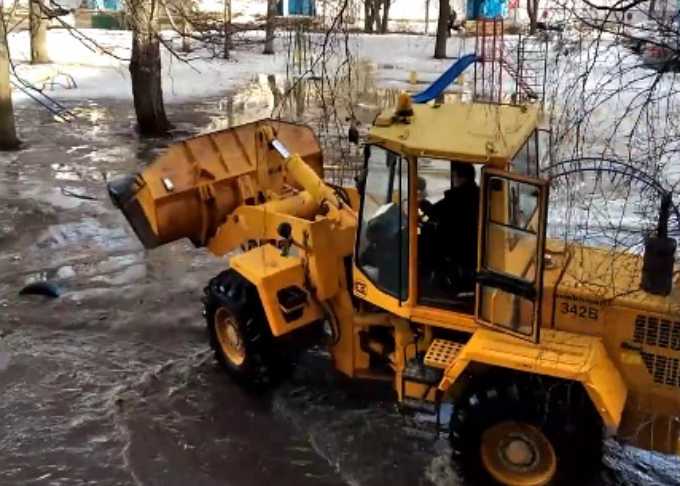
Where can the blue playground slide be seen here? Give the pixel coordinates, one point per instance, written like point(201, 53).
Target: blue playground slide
point(449, 76)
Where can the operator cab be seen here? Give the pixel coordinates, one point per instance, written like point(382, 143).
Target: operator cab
point(453, 222)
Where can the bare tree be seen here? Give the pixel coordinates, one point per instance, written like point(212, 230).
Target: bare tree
point(652, 7)
point(226, 20)
point(614, 106)
point(326, 74)
point(269, 28)
point(369, 15)
point(376, 15)
point(427, 16)
point(8, 134)
point(145, 61)
point(186, 27)
point(384, 25)
point(145, 68)
point(38, 30)
point(442, 29)
point(532, 12)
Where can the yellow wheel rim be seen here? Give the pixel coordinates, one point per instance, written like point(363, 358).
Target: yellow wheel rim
point(518, 454)
point(229, 336)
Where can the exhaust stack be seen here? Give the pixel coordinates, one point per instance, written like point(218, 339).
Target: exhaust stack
point(659, 257)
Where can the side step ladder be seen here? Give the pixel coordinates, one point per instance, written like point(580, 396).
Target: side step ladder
point(427, 371)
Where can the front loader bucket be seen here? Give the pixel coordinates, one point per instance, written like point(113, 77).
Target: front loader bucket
point(190, 189)
point(124, 193)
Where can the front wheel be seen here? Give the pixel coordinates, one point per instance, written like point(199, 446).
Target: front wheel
point(238, 330)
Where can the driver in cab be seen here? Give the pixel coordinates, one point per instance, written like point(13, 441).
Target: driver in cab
point(451, 239)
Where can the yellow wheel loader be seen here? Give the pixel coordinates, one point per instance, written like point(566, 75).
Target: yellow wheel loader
point(543, 348)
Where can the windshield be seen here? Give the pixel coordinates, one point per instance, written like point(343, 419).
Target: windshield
point(382, 244)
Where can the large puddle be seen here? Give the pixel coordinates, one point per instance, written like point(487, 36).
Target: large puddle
point(113, 384)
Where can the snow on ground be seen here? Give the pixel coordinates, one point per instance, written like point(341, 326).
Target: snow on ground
point(397, 55)
point(98, 75)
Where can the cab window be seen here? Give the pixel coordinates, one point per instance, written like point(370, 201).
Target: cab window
point(525, 161)
point(382, 243)
point(521, 204)
point(448, 209)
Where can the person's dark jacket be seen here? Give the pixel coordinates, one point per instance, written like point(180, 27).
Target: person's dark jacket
point(457, 217)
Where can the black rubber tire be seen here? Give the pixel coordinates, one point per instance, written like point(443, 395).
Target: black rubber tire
point(560, 409)
point(568, 417)
point(240, 298)
point(483, 405)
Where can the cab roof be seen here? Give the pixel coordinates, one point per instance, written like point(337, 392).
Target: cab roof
point(480, 133)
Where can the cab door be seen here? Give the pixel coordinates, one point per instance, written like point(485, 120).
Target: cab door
point(509, 280)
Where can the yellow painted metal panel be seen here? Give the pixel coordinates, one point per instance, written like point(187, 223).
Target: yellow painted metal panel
point(560, 355)
point(599, 274)
point(365, 289)
point(270, 272)
point(263, 262)
point(474, 132)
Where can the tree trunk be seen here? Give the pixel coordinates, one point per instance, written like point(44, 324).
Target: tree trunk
point(186, 33)
point(227, 28)
point(269, 29)
point(652, 8)
point(384, 25)
point(38, 27)
point(369, 16)
point(376, 15)
point(145, 70)
point(8, 133)
point(532, 11)
point(427, 16)
point(442, 30)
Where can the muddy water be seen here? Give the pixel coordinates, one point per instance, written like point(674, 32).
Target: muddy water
point(113, 383)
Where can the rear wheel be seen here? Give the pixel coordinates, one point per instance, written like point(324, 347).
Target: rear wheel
point(518, 453)
point(238, 330)
point(521, 430)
